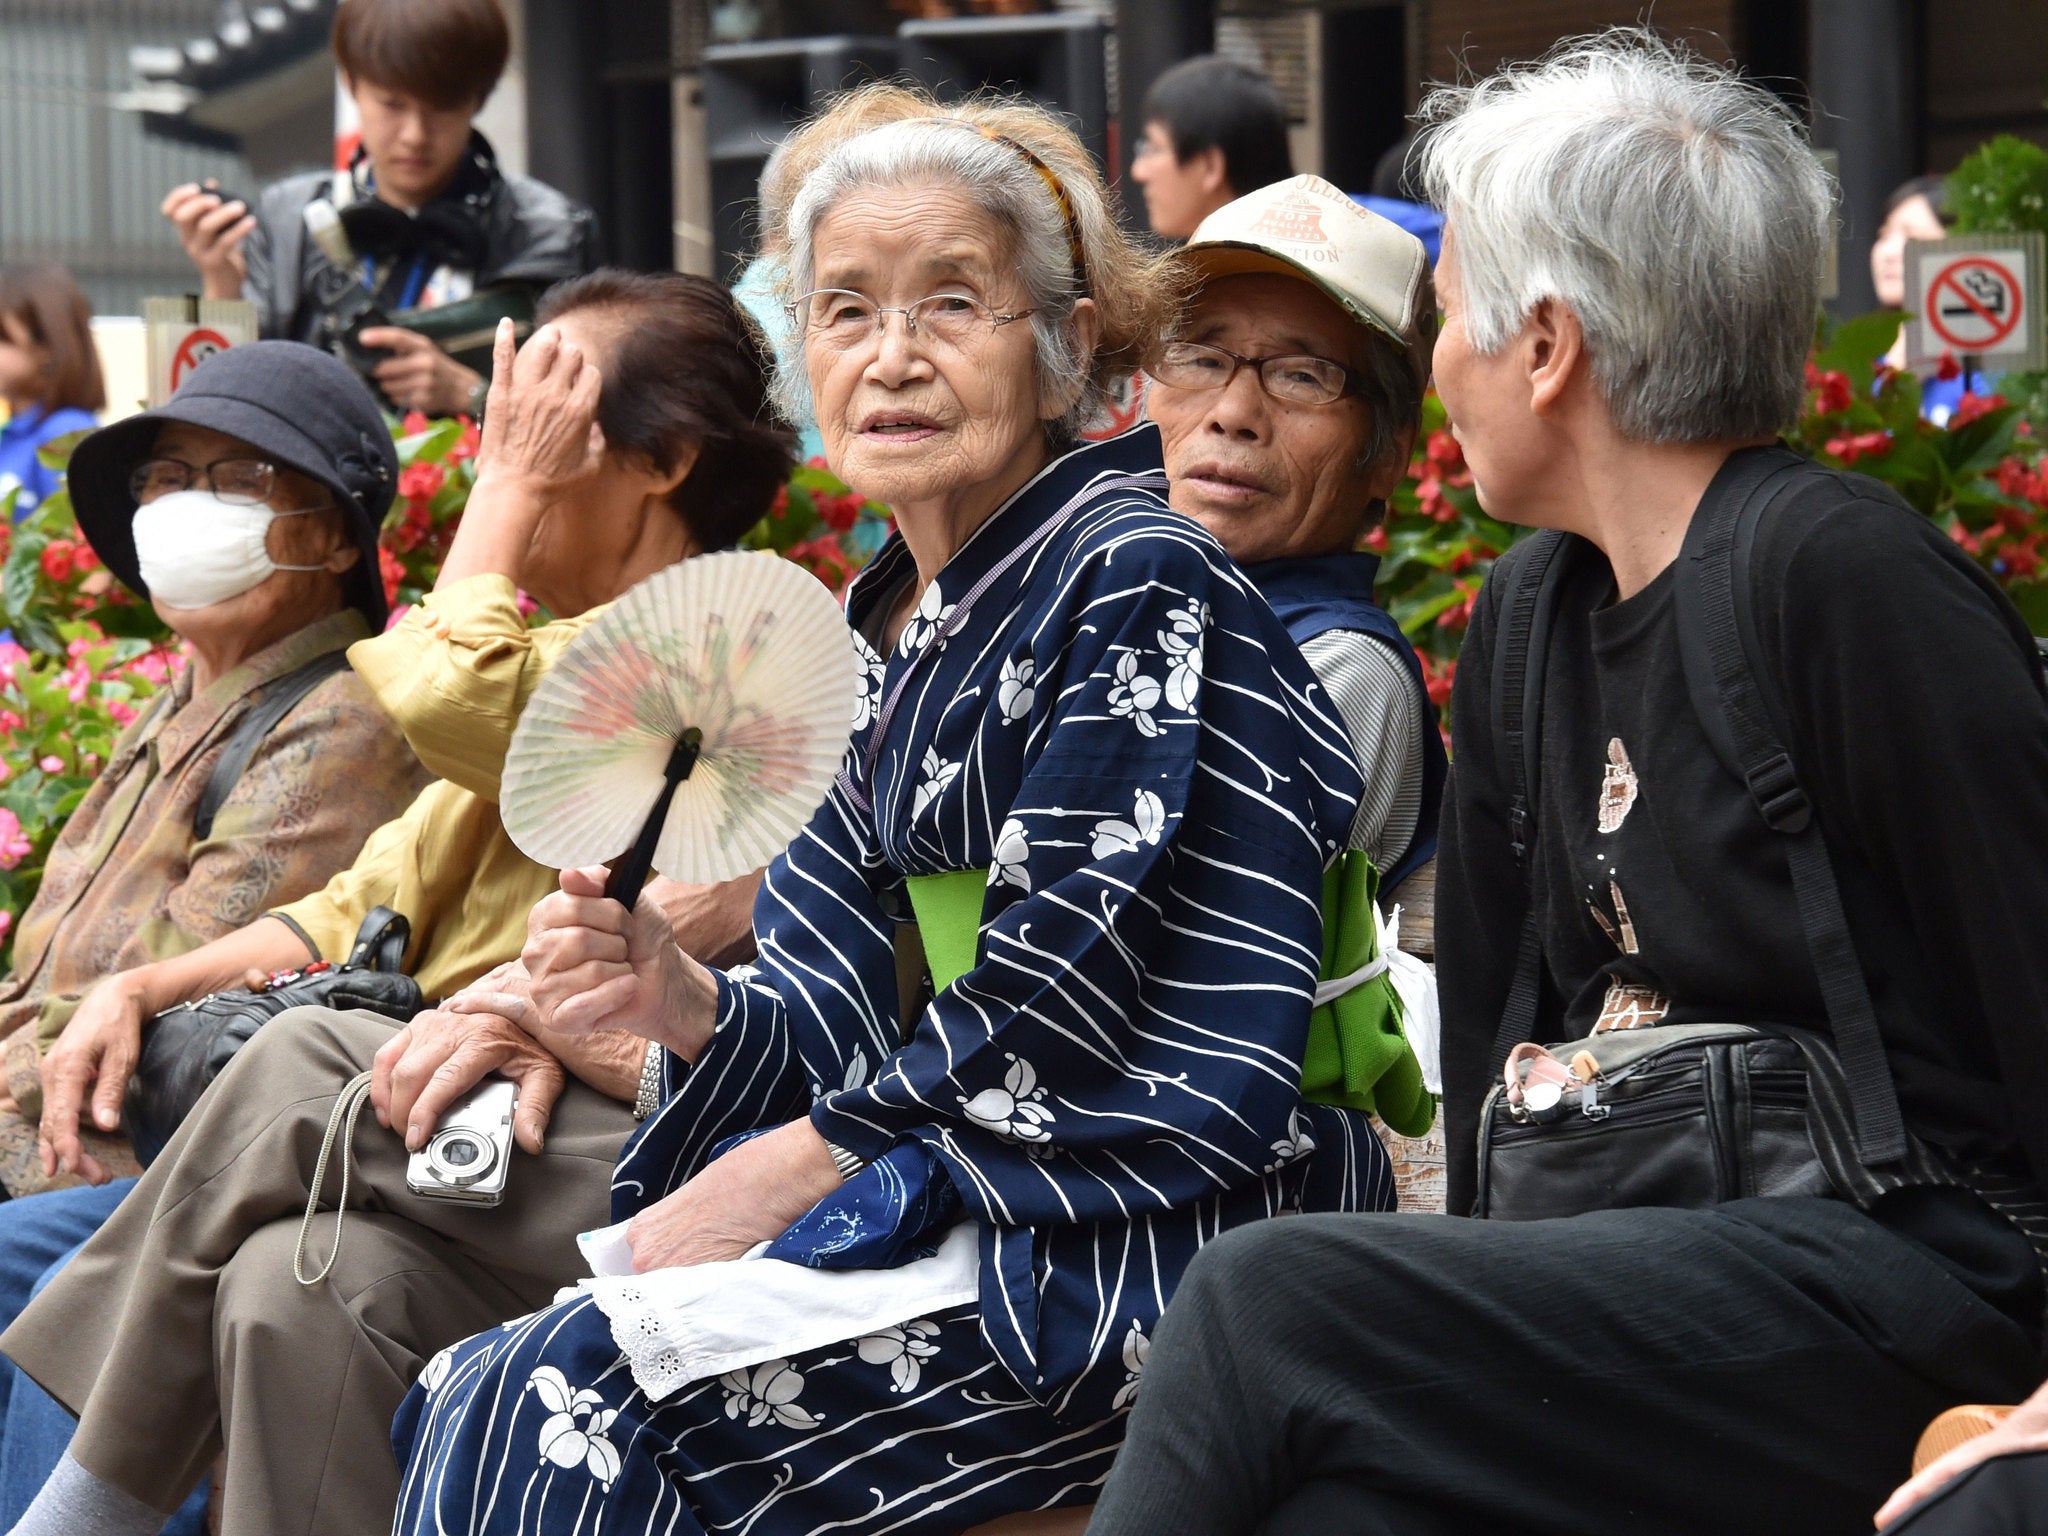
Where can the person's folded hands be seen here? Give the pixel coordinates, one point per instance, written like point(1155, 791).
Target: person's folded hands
point(446, 1051)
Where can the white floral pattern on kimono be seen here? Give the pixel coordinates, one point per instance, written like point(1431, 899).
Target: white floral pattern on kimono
point(767, 1391)
point(1182, 646)
point(1136, 695)
point(867, 698)
point(573, 1433)
point(932, 612)
point(1014, 691)
point(904, 1349)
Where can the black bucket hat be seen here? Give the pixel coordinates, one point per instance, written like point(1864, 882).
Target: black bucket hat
point(298, 407)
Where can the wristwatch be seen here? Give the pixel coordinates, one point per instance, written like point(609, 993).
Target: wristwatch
point(649, 1098)
point(848, 1163)
point(473, 408)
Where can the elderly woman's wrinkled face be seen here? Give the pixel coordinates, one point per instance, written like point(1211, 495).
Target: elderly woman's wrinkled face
point(910, 419)
point(1272, 479)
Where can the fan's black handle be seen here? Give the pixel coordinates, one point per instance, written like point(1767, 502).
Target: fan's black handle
point(630, 874)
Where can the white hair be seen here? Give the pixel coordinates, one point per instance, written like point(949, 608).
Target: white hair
point(1676, 209)
point(1004, 185)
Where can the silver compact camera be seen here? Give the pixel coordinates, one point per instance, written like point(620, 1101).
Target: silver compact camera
point(467, 1156)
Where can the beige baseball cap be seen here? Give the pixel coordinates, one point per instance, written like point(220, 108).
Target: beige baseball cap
point(1304, 227)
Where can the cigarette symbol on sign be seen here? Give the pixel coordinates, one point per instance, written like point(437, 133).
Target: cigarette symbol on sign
point(1979, 292)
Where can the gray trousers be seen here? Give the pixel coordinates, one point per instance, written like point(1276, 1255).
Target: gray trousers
point(180, 1329)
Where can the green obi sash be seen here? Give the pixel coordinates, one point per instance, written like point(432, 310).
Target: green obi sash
point(1357, 1056)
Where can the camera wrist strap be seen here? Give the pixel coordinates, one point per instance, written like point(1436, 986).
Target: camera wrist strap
point(348, 1105)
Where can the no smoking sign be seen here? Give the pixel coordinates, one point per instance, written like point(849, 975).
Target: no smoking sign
point(1977, 298)
point(196, 348)
point(185, 331)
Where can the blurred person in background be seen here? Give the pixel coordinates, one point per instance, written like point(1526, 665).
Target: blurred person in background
point(1916, 210)
point(1214, 131)
point(423, 203)
point(1397, 198)
point(49, 375)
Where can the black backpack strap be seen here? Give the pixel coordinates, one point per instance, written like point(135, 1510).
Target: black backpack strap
point(1729, 680)
point(1517, 707)
point(271, 706)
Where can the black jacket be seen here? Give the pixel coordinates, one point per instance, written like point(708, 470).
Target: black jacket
point(532, 235)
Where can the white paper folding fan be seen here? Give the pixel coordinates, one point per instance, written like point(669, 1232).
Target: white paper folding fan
point(697, 724)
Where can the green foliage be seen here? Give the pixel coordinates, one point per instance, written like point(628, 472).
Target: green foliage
point(2001, 189)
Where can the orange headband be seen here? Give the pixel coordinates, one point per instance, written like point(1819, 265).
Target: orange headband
point(1047, 174)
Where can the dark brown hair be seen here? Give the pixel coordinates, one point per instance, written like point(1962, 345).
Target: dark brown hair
point(58, 319)
point(686, 366)
point(447, 52)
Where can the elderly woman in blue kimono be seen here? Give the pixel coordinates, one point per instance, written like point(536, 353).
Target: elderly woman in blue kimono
point(1093, 770)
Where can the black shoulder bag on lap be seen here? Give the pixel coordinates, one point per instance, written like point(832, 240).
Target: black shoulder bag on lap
point(1690, 1115)
point(186, 1047)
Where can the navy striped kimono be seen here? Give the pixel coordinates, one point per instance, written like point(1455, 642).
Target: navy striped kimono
point(1095, 706)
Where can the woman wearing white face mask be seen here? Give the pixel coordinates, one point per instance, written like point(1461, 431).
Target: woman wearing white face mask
point(246, 510)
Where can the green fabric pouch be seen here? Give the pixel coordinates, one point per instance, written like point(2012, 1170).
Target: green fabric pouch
point(1357, 1056)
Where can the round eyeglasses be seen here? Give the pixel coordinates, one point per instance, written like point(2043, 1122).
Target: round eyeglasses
point(239, 482)
point(1297, 379)
point(841, 318)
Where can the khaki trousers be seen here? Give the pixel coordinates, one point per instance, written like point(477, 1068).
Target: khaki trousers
point(180, 1329)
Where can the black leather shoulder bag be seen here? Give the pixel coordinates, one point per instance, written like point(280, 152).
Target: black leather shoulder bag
point(185, 1048)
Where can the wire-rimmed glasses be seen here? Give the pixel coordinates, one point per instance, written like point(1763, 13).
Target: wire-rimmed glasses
point(842, 318)
point(239, 482)
point(1297, 378)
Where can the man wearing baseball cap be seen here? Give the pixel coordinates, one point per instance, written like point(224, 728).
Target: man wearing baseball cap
point(1288, 405)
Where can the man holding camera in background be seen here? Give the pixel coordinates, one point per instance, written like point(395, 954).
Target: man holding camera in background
point(359, 260)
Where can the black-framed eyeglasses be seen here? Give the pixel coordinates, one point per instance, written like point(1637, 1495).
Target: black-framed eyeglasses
point(1297, 378)
point(240, 482)
point(842, 318)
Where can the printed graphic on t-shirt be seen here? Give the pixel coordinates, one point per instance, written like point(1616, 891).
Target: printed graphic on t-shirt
point(1627, 1005)
point(1618, 787)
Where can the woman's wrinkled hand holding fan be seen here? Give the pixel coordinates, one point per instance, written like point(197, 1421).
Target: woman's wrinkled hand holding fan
point(693, 727)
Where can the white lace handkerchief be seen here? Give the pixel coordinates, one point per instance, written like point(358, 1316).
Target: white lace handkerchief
point(676, 1326)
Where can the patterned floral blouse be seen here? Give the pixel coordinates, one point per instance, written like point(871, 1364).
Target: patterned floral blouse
point(128, 884)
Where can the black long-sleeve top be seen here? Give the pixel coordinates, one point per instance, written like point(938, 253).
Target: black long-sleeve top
point(1919, 729)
